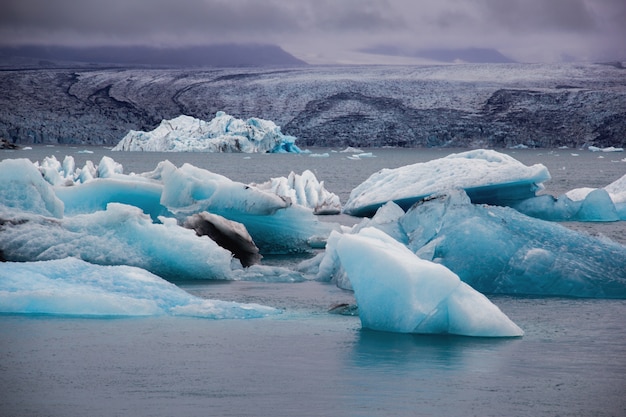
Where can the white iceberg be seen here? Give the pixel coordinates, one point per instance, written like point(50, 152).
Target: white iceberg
point(398, 292)
point(607, 149)
point(224, 133)
point(499, 250)
point(67, 174)
point(74, 287)
point(304, 190)
point(486, 175)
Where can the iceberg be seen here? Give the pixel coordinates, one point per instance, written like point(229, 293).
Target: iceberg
point(606, 204)
point(499, 250)
point(607, 149)
point(23, 189)
point(74, 287)
point(119, 235)
point(275, 224)
point(487, 176)
point(224, 133)
point(304, 190)
point(398, 292)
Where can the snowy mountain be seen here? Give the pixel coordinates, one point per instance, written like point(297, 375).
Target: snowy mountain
point(468, 105)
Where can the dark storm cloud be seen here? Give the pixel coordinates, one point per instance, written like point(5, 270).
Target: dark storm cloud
point(327, 29)
point(146, 18)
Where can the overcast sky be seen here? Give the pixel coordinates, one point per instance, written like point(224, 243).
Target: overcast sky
point(332, 31)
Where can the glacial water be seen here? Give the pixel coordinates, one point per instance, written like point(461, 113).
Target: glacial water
point(307, 362)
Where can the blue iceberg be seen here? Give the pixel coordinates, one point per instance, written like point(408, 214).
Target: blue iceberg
point(498, 250)
point(398, 292)
point(606, 204)
point(74, 287)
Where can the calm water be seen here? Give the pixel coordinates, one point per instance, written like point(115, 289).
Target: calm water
point(306, 362)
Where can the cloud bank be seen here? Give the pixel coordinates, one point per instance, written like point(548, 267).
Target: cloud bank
point(330, 31)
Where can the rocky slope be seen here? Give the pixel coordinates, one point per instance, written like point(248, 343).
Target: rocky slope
point(488, 105)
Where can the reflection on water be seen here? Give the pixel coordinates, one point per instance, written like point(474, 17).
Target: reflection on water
point(407, 353)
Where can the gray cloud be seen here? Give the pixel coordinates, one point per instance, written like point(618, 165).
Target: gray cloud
point(330, 30)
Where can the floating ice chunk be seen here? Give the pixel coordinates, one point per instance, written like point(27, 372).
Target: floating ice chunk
point(66, 173)
point(224, 133)
point(121, 235)
point(487, 176)
point(351, 149)
point(274, 223)
point(580, 204)
point(189, 190)
point(22, 188)
point(398, 292)
point(608, 149)
point(499, 250)
point(597, 206)
point(74, 287)
point(95, 195)
point(304, 190)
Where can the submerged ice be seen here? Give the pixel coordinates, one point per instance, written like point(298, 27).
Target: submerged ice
point(224, 133)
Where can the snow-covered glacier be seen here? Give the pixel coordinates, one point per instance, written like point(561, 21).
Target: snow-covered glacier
point(465, 105)
point(224, 133)
point(398, 292)
point(74, 287)
point(486, 175)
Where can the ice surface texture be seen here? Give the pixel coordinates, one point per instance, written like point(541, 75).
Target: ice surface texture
point(74, 287)
point(487, 176)
point(224, 133)
point(398, 292)
point(499, 250)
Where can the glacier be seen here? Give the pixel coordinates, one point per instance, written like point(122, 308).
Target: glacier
point(487, 176)
point(77, 288)
point(224, 133)
point(398, 292)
